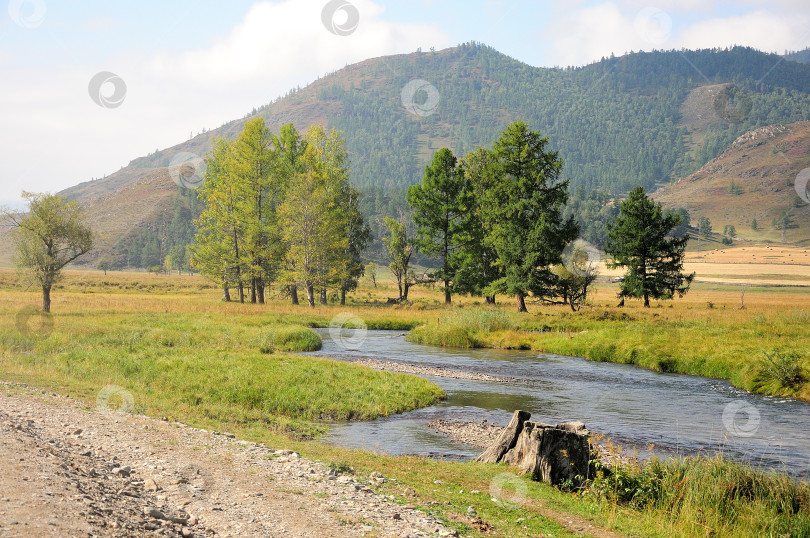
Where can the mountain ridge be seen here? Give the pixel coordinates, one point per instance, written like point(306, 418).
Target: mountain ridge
point(617, 123)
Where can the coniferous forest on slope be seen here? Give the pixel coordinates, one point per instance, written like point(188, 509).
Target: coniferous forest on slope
point(616, 123)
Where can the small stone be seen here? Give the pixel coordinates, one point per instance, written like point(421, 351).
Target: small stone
point(410, 492)
point(153, 512)
point(77, 431)
point(437, 482)
point(471, 511)
point(150, 485)
point(192, 520)
point(185, 531)
point(397, 517)
point(123, 471)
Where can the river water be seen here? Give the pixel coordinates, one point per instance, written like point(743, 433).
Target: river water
point(678, 414)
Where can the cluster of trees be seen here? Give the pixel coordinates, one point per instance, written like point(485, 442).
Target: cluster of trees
point(496, 221)
point(279, 209)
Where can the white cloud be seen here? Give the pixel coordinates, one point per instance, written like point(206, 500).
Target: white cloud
point(54, 136)
point(585, 33)
point(762, 30)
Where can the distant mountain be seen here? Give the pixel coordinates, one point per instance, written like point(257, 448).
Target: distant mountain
point(643, 118)
point(753, 179)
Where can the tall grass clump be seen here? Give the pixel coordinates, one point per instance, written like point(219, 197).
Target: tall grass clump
point(290, 338)
point(694, 494)
point(780, 372)
point(463, 329)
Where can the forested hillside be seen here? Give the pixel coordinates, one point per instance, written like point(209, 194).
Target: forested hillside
point(640, 119)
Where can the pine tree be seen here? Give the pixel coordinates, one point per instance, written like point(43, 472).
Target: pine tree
point(523, 213)
point(438, 208)
point(640, 240)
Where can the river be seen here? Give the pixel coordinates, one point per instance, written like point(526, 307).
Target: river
point(677, 414)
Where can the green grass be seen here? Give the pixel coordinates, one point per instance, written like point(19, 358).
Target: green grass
point(465, 328)
point(290, 338)
point(694, 495)
point(208, 367)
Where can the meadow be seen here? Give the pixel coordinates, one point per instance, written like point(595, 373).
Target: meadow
point(183, 354)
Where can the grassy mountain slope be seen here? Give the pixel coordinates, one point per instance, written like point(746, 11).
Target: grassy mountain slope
point(762, 165)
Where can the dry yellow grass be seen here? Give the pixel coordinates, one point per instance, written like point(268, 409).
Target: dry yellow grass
point(754, 265)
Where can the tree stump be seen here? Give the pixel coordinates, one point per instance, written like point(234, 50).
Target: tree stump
point(506, 440)
point(556, 455)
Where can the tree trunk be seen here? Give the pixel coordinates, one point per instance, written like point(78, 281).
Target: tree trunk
point(253, 290)
point(46, 298)
point(490, 299)
point(323, 296)
point(311, 295)
point(226, 293)
point(405, 295)
point(294, 293)
point(646, 301)
point(260, 290)
point(521, 302)
point(399, 285)
point(447, 299)
point(241, 291)
point(342, 296)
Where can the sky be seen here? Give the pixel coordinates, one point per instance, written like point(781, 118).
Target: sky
point(87, 86)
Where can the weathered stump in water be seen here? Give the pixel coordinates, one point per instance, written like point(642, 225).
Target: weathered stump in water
point(553, 454)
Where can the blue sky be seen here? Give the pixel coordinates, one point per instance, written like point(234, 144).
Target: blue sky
point(188, 65)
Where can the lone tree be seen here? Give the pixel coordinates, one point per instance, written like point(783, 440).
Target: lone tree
point(399, 251)
point(49, 237)
point(438, 207)
point(640, 239)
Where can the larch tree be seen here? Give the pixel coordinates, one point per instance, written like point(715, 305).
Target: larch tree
point(523, 213)
point(51, 235)
point(640, 239)
point(290, 149)
point(476, 261)
point(259, 191)
point(312, 230)
point(219, 242)
point(438, 211)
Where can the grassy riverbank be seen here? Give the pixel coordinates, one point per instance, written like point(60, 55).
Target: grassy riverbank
point(178, 360)
point(762, 348)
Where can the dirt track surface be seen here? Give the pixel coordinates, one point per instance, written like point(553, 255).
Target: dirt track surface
point(70, 470)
